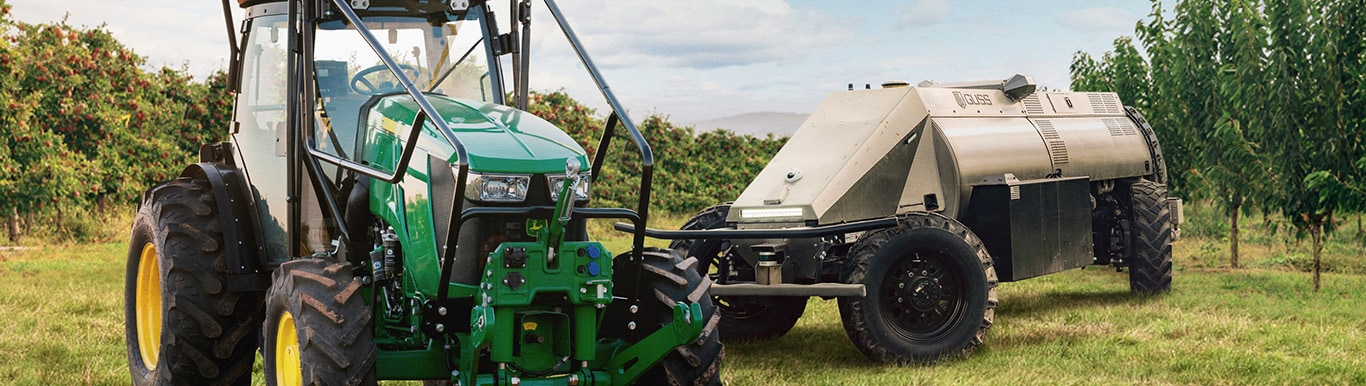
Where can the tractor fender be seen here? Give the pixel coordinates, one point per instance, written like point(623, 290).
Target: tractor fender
point(1154, 148)
point(247, 270)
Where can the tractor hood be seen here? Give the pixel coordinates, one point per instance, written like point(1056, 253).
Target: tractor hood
point(498, 139)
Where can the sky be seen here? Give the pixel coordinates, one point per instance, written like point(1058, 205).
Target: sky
point(701, 59)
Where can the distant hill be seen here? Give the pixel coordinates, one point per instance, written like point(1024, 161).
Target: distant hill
point(758, 124)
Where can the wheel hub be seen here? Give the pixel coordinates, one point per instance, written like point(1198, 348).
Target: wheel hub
point(148, 306)
point(288, 364)
point(924, 294)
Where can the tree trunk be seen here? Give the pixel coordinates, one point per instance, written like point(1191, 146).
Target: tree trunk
point(14, 226)
point(1359, 232)
point(1316, 232)
point(1233, 237)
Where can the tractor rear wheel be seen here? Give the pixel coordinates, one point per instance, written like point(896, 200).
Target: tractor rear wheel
point(931, 291)
point(183, 326)
point(743, 318)
point(1150, 246)
point(654, 286)
point(318, 329)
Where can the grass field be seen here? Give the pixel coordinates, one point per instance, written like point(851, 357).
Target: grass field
point(62, 311)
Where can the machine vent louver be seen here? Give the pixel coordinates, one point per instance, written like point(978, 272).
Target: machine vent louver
point(1105, 103)
point(1057, 149)
point(1120, 127)
point(1032, 105)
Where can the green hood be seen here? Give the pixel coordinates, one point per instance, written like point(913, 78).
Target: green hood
point(498, 139)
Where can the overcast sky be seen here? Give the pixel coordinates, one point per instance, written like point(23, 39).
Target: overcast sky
point(701, 59)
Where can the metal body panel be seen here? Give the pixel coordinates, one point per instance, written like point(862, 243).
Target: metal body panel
point(867, 154)
point(979, 147)
point(1032, 228)
point(1102, 148)
point(846, 135)
point(499, 138)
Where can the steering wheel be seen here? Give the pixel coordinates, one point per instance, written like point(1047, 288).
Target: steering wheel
point(364, 87)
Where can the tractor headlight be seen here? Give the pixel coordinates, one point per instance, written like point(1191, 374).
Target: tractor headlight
point(557, 183)
point(497, 187)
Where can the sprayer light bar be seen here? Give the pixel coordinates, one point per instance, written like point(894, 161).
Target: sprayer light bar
point(766, 213)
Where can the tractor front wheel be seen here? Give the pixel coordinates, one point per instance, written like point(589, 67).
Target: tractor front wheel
point(183, 326)
point(317, 329)
point(654, 285)
point(931, 291)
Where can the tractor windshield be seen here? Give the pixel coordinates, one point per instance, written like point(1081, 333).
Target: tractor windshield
point(443, 57)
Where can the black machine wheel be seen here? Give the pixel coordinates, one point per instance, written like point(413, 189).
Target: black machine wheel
point(183, 325)
point(654, 285)
point(931, 291)
point(1150, 246)
point(318, 329)
point(743, 318)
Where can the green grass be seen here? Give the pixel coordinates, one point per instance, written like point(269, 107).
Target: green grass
point(62, 310)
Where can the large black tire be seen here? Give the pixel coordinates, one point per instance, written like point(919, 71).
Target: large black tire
point(183, 326)
point(743, 318)
point(654, 285)
point(1150, 244)
point(332, 339)
point(931, 291)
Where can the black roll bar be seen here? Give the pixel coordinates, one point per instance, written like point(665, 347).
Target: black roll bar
point(647, 156)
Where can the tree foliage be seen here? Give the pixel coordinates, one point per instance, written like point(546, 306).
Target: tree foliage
point(1258, 104)
point(83, 123)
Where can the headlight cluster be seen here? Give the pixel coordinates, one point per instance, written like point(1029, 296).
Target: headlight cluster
point(514, 187)
point(557, 183)
point(497, 187)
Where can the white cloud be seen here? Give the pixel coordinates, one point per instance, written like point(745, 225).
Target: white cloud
point(1099, 20)
point(700, 34)
point(926, 12)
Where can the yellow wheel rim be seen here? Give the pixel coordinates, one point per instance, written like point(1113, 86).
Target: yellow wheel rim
point(149, 306)
point(288, 370)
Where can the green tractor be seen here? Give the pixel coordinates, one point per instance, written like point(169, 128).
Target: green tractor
point(385, 212)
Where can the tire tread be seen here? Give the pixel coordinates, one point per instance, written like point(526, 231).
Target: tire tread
point(206, 331)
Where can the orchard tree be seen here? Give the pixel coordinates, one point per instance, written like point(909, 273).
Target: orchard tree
point(83, 123)
point(1258, 104)
point(1314, 136)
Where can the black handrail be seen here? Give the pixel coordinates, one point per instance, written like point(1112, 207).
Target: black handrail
point(782, 233)
point(600, 156)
